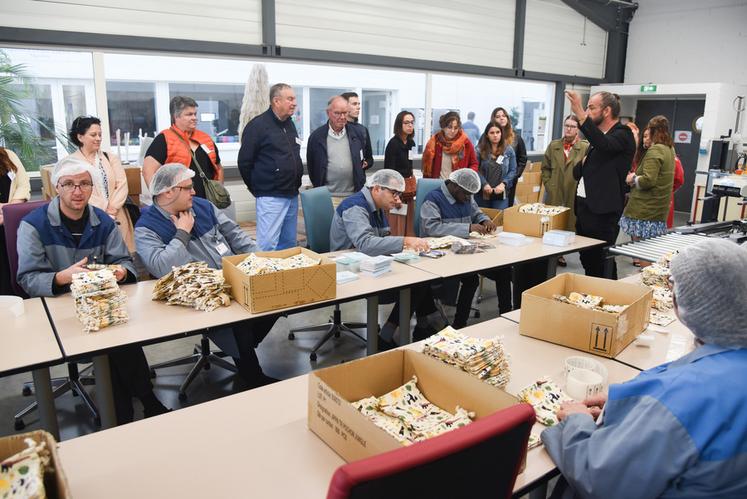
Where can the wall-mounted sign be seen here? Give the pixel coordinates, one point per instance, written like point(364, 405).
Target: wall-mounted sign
point(683, 137)
point(648, 89)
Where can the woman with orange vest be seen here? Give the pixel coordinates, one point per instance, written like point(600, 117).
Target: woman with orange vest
point(184, 143)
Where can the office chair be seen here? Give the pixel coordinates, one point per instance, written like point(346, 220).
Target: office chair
point(201, 358)
point(489, 451)
point(13, 214)
point(317, 216)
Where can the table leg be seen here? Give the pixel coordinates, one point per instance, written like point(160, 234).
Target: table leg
point(45, 401)
point(404, 316)
point(552, 266)
point(372, 324)
point(104, 396)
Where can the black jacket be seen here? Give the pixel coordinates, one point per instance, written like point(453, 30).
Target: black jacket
point(397, 156)
point(317, 159)
point(367, 149)
point(270, 156)
point(521, 155)
point(605, 167)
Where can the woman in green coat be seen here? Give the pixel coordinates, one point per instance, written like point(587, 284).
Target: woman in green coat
point(651, 185)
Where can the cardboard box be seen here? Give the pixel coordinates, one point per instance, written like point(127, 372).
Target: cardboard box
point(351, 434)
point(532, 224)
point(528, 187)
point(55, 481)
point(535, 166)
point(288, 288)
point(600, 333)
point(495, 215)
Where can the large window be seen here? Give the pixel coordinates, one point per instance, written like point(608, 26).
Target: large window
point(132, 109)
point(50, 88)
point(219, 107)
point(530, 104)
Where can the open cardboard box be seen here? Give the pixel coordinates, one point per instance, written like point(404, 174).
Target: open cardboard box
point(55, 481)
point(496, 215)
point(283, 289)
point(532, 224)
point(592, 331)
point(351, 434)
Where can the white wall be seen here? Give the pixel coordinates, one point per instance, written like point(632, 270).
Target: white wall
point(681, 41)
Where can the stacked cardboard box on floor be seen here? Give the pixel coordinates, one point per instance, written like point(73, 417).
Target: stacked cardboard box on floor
point(287, 288)
point(352, 435)
point(593, 331)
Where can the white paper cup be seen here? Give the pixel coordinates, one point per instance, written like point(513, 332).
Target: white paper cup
point(582, 384)
point(11, 305)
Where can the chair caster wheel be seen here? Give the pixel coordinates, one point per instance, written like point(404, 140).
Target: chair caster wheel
point(152, 373)
point(207, 366)
point(337, 334)
point(19, 425)
point(97, 422)
point(477, 315)
point(182, 396)
point(291, 336)
point(312, 357)
point(26, 392)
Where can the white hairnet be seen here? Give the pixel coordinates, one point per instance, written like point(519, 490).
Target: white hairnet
point(467, 179)
point(168, 176)
point(710, 280)
point(72, 166)
point(388, 178)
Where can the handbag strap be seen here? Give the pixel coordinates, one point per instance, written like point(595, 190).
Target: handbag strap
point(194, 158)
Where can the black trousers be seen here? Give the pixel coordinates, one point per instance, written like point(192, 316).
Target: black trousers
point(130, 378)
point(528, 275)
point(461, 291)
point(502, 278)
point(421, 301)
point(248, 337)
point(605, 227)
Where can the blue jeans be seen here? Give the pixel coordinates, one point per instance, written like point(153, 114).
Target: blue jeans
point(277, 219)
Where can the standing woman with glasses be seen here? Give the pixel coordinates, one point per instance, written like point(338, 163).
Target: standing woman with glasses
point(497, 168)
point(449, 149)
point(110, 186)
point(398, 157)
point(500, 116)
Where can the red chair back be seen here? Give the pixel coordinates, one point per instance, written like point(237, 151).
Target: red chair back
point(481, 459)
point(12, 215)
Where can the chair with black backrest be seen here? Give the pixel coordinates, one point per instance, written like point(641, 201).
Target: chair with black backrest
point(487, 454)
point(202, 356)
point(317, 216)
point(13, 214)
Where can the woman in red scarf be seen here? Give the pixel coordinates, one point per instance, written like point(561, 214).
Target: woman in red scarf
point(449, 149)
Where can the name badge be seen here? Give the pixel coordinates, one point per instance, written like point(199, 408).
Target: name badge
point(298, 141)
point(499, 159)
point(581, 189)
point(410, 154)
point(206, 148)
point(361, 154)
point(11, 175)
point(222, 248)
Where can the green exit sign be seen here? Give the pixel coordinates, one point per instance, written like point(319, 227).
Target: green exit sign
point(648, 89)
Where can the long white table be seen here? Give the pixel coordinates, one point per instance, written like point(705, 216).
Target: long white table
point(152, 322)
point(29, 344)
point(256, 443)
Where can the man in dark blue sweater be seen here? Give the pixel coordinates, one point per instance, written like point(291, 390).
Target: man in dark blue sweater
point(270, 164)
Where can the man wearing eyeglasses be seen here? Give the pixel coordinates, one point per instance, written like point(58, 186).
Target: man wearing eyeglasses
point(58, 240)
point(560, 157)
point(335, 153)
point(180, 228)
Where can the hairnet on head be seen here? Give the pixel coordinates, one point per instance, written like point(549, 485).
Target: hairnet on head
point(72, 166)
point(168, 176)
point(388, 178)
point(467, 179)
point(710, 281)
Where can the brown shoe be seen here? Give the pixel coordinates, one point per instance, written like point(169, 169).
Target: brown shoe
point(562, 262)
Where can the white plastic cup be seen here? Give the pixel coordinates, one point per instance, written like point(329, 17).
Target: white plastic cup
point(579, 362)
point(581, 384)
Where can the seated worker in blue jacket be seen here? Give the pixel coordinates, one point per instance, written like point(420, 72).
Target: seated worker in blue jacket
point(452, 211)
point(180, 228)
point(360, 222)
point(677, 430)
point(58, 240)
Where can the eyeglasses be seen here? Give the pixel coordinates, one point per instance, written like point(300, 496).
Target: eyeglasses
point(339, 114)
point(396, 194)
point(187, 188)
point(570, 126)
point(70, 186)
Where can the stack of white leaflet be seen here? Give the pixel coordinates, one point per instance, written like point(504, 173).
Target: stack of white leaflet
point(374, 266)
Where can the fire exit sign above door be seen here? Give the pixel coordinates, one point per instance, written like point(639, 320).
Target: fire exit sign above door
point(648, 89)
